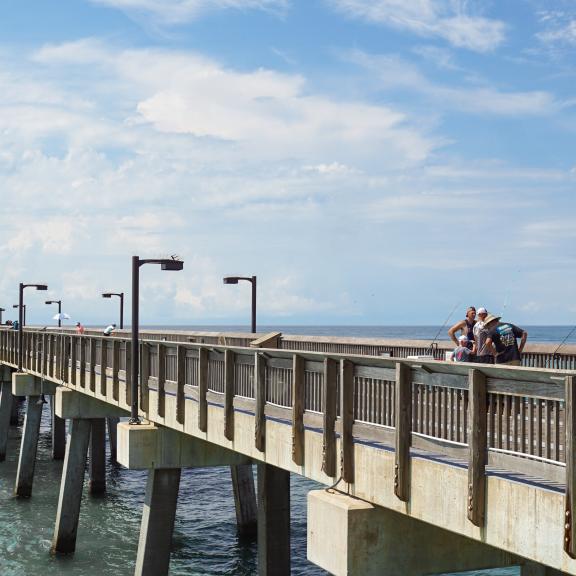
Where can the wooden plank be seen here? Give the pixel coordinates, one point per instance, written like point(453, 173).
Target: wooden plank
point(180, 382)
point(144, 376)
point(347, 419)
point(161, 354)
point(298, 404)
point(478, 448)
point(229, 395)
point(270, 340)
point(551, 390)
point(260, 397)
point(570, 496)
point(202, 389)
point(115, 369)
point(92, 370)
point(330, 404)
point(403, 412)
point(534, 468)
point(103, 365)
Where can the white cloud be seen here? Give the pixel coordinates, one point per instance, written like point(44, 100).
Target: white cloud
point(559, 27)
point(177, 11)
point(447, 19)
point(394, 73)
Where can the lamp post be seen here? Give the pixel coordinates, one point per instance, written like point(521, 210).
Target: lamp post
point(18, 306)
point(1, 310)
point(252, 280)
point(21, 317)
point(165, 264)
point(59, 302)
point(121, 296)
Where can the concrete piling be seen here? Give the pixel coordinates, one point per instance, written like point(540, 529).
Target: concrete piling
point(58, 434)
point(97, 484)
point(65, 531)
point(28, 447)
point(6, 402)
point(244, 500)
point(273, 521)
point(113, 436)
point(158, 522)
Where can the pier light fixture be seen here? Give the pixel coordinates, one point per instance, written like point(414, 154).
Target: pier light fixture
point(59, 302)
point(121, 296)
point(21, 305)
point(24, 317)
point(1, 310)
point(173, 263)
point(252, 280)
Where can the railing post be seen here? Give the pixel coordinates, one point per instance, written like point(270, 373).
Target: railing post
point(570, 504)
point(128, 373)
point(92, 373)
point(260, 396)
point(403, 414)
point(298, 406)
point(144, 376)
point(115, 369)
point(82, 366)
point(161, 380)
point(180, 382)
point(478, 447)
point(229, 394)
point(330, 404)
point(103, 365)
point(202, 389)
point(347, 419)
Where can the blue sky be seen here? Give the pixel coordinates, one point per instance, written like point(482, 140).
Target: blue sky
point(371, 161)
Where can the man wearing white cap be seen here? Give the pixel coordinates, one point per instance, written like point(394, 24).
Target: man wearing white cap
point(483, 353)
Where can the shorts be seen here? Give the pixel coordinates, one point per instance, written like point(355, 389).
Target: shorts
point(484, 359)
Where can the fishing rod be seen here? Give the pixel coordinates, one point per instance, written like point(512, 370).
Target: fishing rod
point(433, 344)
point(555, 355)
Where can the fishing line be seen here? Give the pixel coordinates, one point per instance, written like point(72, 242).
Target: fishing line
point(443, 326)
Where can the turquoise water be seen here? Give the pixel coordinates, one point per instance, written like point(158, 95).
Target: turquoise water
point(205, 541)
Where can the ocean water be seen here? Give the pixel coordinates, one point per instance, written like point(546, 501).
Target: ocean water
point(205, 540)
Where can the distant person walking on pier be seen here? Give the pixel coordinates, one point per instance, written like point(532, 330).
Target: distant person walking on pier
point(462, 353)
point(466, 326)
point(79, 328)
point(109, 329)
point(502, 337)
point(483, 353)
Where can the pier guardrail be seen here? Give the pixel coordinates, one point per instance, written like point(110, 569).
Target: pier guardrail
point(518, 418)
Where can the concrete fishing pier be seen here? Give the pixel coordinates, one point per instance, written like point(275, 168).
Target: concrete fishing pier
point(433, 467)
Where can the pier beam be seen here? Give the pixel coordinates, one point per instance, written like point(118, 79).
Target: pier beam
point(65, 531)
point(245, 500)
point(351, 537)
point(28, 447)
point(6, 402)
point(158, 517)
point(97, 484)
point(273, 521)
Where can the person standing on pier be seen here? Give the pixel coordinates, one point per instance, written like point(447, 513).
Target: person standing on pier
point(462, 353)
point(483, 353)
point(502, 338)
point(466, 326)
point(109, 329)
point(79, 328)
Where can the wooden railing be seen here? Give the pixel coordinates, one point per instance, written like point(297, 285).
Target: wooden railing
point(513, 418)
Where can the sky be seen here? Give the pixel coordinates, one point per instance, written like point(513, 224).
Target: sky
point(370, 161)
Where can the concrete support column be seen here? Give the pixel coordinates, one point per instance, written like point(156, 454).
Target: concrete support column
point(58, 433)
point(15, 411)
point(113, 436)
point(97, 484)
point(66, 528)
point(244, 500)
point(28, 448)
point(6, 402)
point(273, 521)
point(158, 522)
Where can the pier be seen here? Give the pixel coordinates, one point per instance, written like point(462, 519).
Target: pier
point(429, 466)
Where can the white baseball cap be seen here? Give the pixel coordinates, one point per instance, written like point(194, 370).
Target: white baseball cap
point(482, 311)
point(463, 338)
